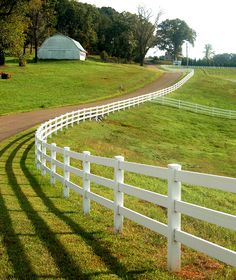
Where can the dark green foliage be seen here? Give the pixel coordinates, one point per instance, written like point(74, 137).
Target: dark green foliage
point(104, 56)
point(172, 34)
point(222, 60)
point(41, 15)
point(2, 57)
point(78, 21)
point(7, 7)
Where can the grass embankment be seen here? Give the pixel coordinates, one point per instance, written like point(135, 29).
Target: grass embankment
point(60, 83)
point(44, 236)
point(210, 87)
point(157, 135)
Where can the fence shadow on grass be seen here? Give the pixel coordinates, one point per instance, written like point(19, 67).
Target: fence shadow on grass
point(21, 263)
point(104, 253)
point(19, 259)
point(22, 267)
point(11, 241)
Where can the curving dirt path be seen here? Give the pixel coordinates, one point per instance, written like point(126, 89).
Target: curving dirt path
point(13, 124)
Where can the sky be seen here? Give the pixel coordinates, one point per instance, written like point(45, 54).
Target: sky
point(213, 20)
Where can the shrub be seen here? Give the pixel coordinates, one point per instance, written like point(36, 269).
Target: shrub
point(104, 56)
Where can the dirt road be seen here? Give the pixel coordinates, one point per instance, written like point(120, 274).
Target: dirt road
point(13, 124)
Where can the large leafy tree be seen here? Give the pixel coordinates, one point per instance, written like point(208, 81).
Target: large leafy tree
point(208, 52)
point(12, 26)
point(7, 7)
point(42, 20)
point(225, 59)
point(116, 33)
point(145, 32)
point(79, 21)
point(171, 35)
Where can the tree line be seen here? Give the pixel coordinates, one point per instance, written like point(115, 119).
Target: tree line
point(25, 24)
point(212, 59)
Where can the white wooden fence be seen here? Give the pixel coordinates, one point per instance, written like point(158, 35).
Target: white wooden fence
point(196, 108)
point(47, 161)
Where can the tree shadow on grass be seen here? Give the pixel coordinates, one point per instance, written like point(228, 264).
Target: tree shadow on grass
point(104, 253)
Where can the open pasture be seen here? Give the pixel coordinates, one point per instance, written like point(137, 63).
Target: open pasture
point(156, 135)
point(210, 87)
point(60, 83)
point(56, 241)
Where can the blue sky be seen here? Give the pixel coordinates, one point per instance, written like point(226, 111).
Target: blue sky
point(214, 21)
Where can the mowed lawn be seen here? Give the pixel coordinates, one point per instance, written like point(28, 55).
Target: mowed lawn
point(60, 83)
point(44, 236)
point(159, 135)
point(211, 87)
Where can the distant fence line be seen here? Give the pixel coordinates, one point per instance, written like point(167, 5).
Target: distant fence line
point(198, 67)
point(196, 108)
point(48, 162)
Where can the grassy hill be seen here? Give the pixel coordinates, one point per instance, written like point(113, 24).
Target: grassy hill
point(158, 135)
point(211, 87)
point(44, 236)
point(59, 83)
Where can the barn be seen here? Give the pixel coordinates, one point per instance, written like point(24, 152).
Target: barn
point(61, 47)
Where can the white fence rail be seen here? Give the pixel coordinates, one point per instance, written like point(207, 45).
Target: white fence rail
point(196, 108)
point(47, 161)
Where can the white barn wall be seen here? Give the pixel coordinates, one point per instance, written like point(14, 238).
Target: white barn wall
point(61, 47)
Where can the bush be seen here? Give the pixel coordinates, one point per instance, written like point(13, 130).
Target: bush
point(104, 56)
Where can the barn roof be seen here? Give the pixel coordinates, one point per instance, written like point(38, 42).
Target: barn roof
point(63, 43)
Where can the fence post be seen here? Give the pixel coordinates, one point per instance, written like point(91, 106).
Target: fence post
point(38, 150)
point(72, 118)
point(66, 120)
point(118, 196)
point(55, 123)
point(61, 123)
point(86, 182)
point(78, 116)
point(53, 165)
point(66, 190)
point(96, 117)
point(174, 219)
point(43, 160)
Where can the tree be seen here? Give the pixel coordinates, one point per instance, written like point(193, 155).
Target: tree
point(145, 32)
point(42, 21)
point(116, 34)
point(7, 7)
point(208, 52)
point(12, 26)
point(171, 35)
point(225, 59)
point(79, 21)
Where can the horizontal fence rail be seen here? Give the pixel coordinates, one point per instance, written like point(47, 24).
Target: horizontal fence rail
point(196, 108)
point(47, 160)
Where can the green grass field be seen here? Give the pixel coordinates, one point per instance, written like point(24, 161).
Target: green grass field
point(157, 135)
point(61, 83)
point(44, 236)
point(211, 87)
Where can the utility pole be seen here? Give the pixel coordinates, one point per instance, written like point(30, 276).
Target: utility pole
point(187, 52)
